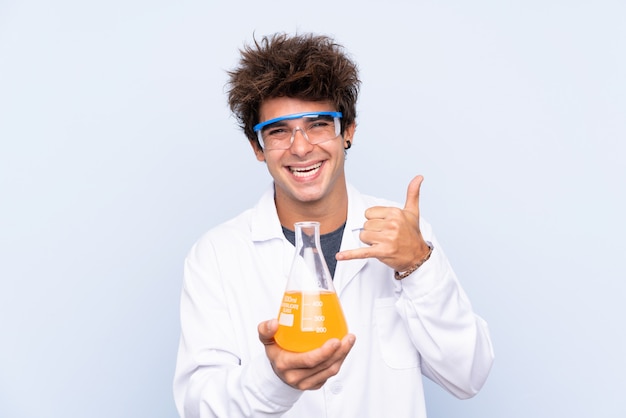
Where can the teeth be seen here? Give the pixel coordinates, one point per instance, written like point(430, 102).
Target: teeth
point(305, 171)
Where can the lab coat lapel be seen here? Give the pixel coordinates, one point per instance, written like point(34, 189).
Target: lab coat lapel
point(347, 270)
point(268, 236)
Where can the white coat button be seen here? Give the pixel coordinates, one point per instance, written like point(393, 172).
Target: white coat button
point(336, 387)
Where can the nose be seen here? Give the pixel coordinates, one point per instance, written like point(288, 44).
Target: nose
point(300, 146)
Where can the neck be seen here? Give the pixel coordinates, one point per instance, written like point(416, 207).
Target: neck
point(331, 212)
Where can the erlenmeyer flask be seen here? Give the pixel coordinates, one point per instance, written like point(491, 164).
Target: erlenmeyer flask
point(310, 313)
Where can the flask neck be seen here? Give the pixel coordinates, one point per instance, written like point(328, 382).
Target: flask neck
point(309, 269)
point(308, 236)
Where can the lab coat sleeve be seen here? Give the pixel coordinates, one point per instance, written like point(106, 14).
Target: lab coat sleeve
point(453, 342)
point(211, 379)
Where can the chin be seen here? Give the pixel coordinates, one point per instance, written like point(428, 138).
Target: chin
point(306, 194)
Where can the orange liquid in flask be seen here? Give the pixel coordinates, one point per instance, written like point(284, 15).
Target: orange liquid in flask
point(308, 319)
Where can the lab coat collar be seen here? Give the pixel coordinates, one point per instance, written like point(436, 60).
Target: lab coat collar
point(265, 224)
point(264, 221)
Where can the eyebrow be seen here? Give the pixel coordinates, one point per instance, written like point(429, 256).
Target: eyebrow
point(308, 118)
point(261, 125)
point(274, 125)
point(313, 118)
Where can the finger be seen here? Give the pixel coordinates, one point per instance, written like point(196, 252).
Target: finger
point(266, 330)
point(376, 212)
point(342, 346)
point(310, 370)
point(319, 377)
point(365, 252)
point(299, 365)
point(413, 195)
point(333, 351)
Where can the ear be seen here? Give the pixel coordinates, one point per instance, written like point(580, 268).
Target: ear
point(348, 133)
point(258, 152)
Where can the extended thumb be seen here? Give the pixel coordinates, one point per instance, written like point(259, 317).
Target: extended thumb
point(413, 195)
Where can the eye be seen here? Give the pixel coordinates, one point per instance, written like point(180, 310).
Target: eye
point(276, 131)
point(320, 122)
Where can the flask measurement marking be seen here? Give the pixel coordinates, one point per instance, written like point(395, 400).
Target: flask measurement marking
point(312, 319)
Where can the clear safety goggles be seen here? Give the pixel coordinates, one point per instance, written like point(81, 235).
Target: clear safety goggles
point(316, 127)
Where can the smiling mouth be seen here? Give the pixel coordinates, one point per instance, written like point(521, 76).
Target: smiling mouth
point(305, 171)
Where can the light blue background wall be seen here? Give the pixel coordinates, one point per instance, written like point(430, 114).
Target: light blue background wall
point(117, 151)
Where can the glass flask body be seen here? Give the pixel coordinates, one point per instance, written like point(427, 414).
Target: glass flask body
point(310, 313)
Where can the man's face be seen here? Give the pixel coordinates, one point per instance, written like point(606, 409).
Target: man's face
point(304, 173)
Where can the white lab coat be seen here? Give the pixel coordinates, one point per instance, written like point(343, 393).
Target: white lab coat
point(235, 277)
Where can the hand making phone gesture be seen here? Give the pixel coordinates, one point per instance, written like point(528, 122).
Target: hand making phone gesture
point(393, 234)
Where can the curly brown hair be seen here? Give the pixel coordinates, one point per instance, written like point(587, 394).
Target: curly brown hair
point(308, 66)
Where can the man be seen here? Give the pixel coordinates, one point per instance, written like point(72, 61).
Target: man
point(295, 99)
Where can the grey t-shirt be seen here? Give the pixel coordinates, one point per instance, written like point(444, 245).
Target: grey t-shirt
point(331, 243)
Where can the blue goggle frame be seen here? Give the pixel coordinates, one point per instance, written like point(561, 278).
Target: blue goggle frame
point(261, 125)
